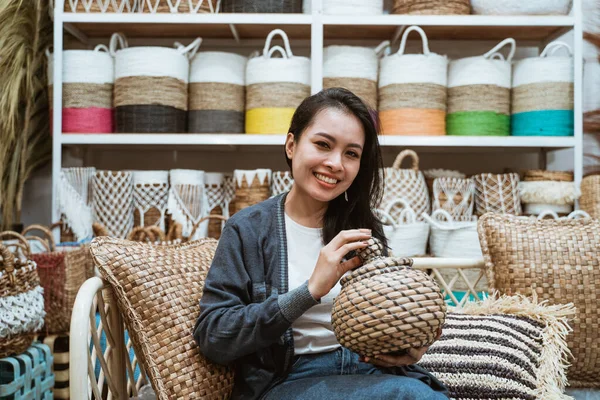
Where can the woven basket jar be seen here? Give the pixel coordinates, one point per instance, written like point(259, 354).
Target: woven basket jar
point(479, 94)
point(178, 6)
point(21, 297)
point(406, 236)
point(408, 184)
point(542, 94)
point(88, 77)
point(432, 7)
point(251, 187)
point(187, 203)
point(454, 195)
point(354, 68)
point(590, 195)
point(541, 191)
point(412, 91)
point(275, 87)
point(517, 7)
point(386, 307)
point(101, 6)
point(75, 201)
point(347, 7)
point(261, 6)
point(217, 93)
point(62, 271)
point(150, 194)
point(497, 193)
point(151, 87)
point(282, 182)
point(113, 201)
point(214, 190)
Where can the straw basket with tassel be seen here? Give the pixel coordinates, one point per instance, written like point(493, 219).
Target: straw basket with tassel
point(387, 307)
point(187, 202)
point(251, 187)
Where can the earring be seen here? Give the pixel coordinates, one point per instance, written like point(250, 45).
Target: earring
point(346, 195)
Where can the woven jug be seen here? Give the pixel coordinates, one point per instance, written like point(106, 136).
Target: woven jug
point(387, 307)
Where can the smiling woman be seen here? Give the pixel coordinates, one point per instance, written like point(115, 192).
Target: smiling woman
point(268, 297)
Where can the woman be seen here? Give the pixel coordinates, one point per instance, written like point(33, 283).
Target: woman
point(266, 306)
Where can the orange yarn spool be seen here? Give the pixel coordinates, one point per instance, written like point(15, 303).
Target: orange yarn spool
point(413, 122)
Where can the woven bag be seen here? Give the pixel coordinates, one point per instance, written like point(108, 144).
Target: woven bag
point(590, 195)
point(187, 201)
point(151, 86)
point(497, 193)
point(21, 297)
point(88, 77)
point(412, 91)
point(75, 201)
point(517, 7)
point(542, 94)
point(261, 6)
point(479, 94)
point(150, 194)
point(251, 187)
point(113, 201)
point(453, 239)
point(217, 92)
point(282, 182)
point(385, 306)
point(275, 87)
point(61, 272)
point(347, 7)
point(406, 236)
point(354, 68)
point(456, 196)
point(408, 184)
point(178, 6)
point(432, 7)
point(556, 260)
point(101, 6)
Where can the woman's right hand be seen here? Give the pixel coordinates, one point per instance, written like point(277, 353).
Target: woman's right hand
point(330, 268)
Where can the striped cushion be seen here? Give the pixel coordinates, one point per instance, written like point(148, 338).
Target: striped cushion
point(498, 355)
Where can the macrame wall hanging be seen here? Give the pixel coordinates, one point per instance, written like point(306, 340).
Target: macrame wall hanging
point(187, 203)
point(74, 200)
point(150, 194)
point(113, 201)
point(282, 182)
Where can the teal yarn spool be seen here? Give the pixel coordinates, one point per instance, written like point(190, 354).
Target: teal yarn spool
point(478, 123)
point(543, 123)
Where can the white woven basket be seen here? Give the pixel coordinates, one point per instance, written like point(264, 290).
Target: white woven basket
point(218, 66)
point(453, 239)
point(548, 67)
point(84, 66)
point(519, 7)
point(347, 7)
point(406, 236)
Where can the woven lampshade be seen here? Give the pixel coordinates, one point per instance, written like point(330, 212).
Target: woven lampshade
point(386, 306)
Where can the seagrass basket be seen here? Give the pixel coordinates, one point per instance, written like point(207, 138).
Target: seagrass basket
point(432, 7)
point(590, 195)
point(251, 187)
point(386, 306)
point(497, 193)
point(534, 175)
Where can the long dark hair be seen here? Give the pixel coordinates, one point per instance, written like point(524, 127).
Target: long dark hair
point(367, 188)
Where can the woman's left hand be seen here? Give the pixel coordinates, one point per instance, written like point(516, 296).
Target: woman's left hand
point(384, 360)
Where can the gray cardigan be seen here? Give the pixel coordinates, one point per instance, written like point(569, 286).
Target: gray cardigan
point(246, 308)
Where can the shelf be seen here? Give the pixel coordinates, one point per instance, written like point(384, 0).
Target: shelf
point(457, 27)
point(278, 140)
point(248, 26)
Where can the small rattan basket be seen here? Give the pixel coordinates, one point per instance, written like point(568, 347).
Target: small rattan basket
point(386, 306)
point(532, 175)
point(590, 195)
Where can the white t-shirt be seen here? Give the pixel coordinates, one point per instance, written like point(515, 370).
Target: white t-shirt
point(313, 332)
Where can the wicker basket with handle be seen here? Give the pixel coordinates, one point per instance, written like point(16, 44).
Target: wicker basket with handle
point(386, 306)
point(406, 236)
point(408, 184)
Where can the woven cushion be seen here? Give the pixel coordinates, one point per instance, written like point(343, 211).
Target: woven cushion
point(559, 261)
point(158, 290)
point(507, 348)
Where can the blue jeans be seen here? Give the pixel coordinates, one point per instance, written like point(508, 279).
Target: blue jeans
point(339, 375)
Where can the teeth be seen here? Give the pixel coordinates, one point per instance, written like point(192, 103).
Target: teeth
point(326, 179)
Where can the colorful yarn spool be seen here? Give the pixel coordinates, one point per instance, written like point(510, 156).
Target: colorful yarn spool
point(479, 94)
point(88, 77)
point(354, 68)
point(412, 91)
point(542, 94)
point(275, 87)
point(217, 93)
point(151, 87)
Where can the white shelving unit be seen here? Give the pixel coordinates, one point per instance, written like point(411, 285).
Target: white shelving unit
point(317, 29)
